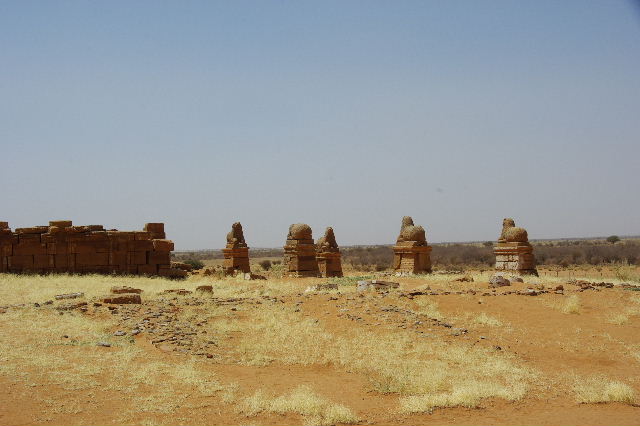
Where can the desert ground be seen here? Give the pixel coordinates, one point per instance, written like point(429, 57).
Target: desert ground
point(442, 348)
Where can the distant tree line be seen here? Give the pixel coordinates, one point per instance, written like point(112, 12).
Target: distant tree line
point(477, 255)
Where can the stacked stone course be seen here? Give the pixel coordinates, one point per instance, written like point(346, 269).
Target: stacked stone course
point(300, 252)
point(62, 247)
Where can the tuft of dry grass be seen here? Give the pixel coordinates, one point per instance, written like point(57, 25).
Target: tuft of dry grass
point(485, 319)
point(571, 305)
point(618, 319)
point(429, 308)
point(467, 394)
point(599, 389)
point(302, 400)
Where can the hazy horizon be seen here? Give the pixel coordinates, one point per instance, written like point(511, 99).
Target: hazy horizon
point(342, 114)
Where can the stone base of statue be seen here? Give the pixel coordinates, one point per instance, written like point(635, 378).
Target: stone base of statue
point(300, 258)
point(329, 264)
point(236, 260)
point(516, 257)
point(411, 258)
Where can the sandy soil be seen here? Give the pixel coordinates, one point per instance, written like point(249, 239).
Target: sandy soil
point(535, 332)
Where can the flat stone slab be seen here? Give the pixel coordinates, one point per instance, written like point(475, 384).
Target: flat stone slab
point(322, 287)
point(376, 285)
point(123, 289)
point(69, 296)
point(122, 299)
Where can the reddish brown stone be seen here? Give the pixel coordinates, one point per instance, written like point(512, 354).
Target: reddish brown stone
point(61, 247)
point(122, 299)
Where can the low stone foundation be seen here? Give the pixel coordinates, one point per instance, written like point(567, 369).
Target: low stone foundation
point(300, 252)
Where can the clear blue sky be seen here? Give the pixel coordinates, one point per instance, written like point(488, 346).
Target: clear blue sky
point(348, 114)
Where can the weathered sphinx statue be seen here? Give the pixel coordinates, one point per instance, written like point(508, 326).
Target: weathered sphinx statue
point(513, 251)
point(236, 253)
point(328, 255)
point(235, 237)
point(411, 252)
point(411, 232)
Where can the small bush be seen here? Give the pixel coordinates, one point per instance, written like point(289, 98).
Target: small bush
point(265, 264)
point(195, 264)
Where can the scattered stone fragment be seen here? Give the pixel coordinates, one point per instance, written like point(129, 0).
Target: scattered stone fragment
point(516, 279)
point(70, 306)
point(122, 289)
point(122, 299)
point(69, 296)
point(180, 265)
point(205, 288)
point(465, 279)
point(378, 285)
point(499, 281)
point(321, 287)
point(104, 344)
point(178, 291)
point(119, 333)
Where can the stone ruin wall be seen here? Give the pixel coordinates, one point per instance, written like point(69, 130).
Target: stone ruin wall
point(64, 248)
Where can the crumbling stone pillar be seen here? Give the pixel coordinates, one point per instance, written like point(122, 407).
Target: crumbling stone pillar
point(513, 251)
point(300, 252)
point(411, 254)
point(328, 255)
point(236, 253)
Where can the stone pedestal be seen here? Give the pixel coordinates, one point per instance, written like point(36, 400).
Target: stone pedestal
point(300, 258)
point(236, 259)
point(411, 258)
point(329, 264)
point(516, 257)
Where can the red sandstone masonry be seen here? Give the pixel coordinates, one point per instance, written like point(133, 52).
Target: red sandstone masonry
point(61, 247)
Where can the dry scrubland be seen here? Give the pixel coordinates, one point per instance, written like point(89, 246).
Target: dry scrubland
point(267, 352)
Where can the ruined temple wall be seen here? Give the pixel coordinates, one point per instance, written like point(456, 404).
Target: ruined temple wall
point(61, 247)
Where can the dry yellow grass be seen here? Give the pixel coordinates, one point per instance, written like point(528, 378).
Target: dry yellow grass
point(571, 305)
point(485, 319)
point(598, 389)
point(395, 361)
point(302, 400)
point(429, 308)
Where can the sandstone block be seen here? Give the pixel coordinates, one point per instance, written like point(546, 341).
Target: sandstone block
point(137, 258)
point(148, 269)
point(20, 262)
point(122, 299)
point(43, 261)
point(163, 245)
point(92, 259)
point(60, 223)
point(32, 230)
point(159, 258)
